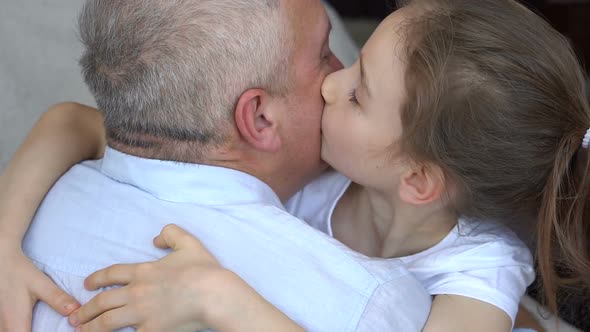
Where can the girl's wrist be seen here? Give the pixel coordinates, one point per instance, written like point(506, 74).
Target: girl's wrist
point(10, 251)
point(230, 299)
point(10, 240)
point(12, 230)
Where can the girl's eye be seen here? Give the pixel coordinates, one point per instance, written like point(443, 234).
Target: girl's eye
point(352, 95)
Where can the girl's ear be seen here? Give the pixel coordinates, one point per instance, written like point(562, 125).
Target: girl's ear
point(255, 121)
point(422, 184)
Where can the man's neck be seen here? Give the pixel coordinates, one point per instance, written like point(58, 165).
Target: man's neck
point(265, 168)
point(284, 185)
point(183, 152)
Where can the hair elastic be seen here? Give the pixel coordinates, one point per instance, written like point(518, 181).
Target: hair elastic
point(586, 140)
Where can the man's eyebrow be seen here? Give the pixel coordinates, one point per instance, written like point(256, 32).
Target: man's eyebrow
point(364, 79)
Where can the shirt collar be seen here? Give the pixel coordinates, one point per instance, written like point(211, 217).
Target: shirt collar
point(187, 183)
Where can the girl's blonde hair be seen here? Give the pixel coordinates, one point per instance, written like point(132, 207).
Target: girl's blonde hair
point(497, 99)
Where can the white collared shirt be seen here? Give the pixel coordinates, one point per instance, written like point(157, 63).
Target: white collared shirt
point(108, 211)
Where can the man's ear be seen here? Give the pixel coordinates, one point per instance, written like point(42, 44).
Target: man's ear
point(255, 120)
point(422, 184)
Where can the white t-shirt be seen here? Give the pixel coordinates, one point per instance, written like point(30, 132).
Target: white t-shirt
point(480, 260)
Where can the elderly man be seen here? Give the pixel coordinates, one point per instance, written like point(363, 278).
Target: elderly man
point(212, 110)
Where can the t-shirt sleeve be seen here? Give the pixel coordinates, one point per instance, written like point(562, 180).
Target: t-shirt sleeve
point(497, 273)
point(502, 288)
point(399, 305)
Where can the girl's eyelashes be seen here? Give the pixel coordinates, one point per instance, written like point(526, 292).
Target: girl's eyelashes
point(353, 98)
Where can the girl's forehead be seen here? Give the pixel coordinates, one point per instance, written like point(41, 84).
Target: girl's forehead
point(392, 29)
point(384, 62)
point(388, 40)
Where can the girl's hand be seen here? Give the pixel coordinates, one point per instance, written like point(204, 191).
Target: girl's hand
point(175, 293)
point(21, 286)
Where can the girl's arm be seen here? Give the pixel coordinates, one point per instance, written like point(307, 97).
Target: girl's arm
point(454, 313)
point(65, 135)
point(187, 290)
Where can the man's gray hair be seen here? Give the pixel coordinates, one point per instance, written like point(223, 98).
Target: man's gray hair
point(173, 70)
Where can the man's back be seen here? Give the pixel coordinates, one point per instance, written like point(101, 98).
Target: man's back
point(107, 212)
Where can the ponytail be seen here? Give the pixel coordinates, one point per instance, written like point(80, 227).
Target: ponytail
point(563, 237)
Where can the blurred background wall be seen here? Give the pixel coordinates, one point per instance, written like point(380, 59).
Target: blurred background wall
point(570, 17)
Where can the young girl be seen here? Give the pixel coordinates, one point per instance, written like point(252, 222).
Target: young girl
point(459, 116)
